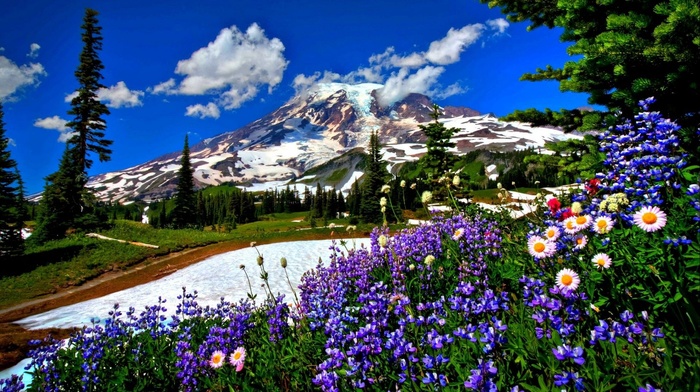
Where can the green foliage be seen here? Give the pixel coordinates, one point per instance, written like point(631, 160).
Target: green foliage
point(88, 111)
point(184, 213)
point(437, 161)
point(62, 200)
point(625, 52)
point(572, 159)
point(11, 202)
point(66, 202)
point(374, 178)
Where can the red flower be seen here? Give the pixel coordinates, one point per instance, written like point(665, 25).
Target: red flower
point(592, 186)
point(554, 205)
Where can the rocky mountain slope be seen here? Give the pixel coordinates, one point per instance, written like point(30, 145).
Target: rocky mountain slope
point(310, 130)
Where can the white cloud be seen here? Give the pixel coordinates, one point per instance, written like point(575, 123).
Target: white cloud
point(119, 95)
point(400, 85)
point(415, 72)
point(33, 50)
point(201, 111)
point(14, 77)
point(57, 124)
point(116, 96)
point(453, 89)
point(448, 50)
point(235, 66)
point(167, 87)
point(389, 59)
point(302, 82)
point(499, 24)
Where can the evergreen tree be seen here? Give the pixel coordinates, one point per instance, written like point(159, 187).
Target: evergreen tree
point(318, 201)
point(62, 200)
point(66, 202)
point(87, 110)
point(185, 211)
point(11, 206)
point(308, 199)
point(374, 178)
point(624, 51)
point(437, 161)
point(341, 202)
point(201, 210)
point(354, 198)
point(162, 216)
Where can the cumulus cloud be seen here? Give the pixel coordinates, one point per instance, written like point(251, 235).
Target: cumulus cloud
point(33, 50)
point(399, 85)
point(55, 123)
point(302, 82)
point(234, 67)
point(119, 95)
point(448, 50)
point(416, 72)
point(201, 111)
point(499, 24)
point(14, 77)
point(167, 87)
point(389, 59)
point(116, 96)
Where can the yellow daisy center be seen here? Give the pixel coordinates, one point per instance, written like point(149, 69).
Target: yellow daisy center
point(602, 224)
point(649, 218)
point(216, 358)
point(581, 220)
point(550, 233)
point(579, 240)
point(237, 355)
point(601, 262)
point(567, 280)
point(539, 247)
point(570, 225)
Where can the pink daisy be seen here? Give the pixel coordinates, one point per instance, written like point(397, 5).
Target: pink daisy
point(552, 233)
point(603, 224)
point(601, 260)
point(650, 219)
point(570, 226)
point(567, 279)
point(217, 359)
point(580, 241)
point(539, 247)
point(583, 221)
point(238, 358)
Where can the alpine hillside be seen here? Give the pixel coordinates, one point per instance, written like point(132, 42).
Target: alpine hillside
point(312, 129)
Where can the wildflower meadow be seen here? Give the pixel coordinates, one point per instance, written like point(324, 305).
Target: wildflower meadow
point(597, 290)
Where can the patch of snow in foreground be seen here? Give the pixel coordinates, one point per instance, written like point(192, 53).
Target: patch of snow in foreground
point(18, 369)
point(213, 278)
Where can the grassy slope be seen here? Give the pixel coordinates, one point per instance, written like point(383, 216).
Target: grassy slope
point(75, 260)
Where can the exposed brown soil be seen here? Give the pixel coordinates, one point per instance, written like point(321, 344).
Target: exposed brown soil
point(14, 338)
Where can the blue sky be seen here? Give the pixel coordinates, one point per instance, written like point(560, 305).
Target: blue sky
point(177, 67)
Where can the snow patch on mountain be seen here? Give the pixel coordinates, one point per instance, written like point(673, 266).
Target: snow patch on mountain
point(313, 129)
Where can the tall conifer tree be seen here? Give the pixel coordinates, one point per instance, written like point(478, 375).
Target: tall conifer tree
point(438, 160)
point(66, 202)
point(87, 110)
point(375, 176)
point(11, 243)
point(184, 213)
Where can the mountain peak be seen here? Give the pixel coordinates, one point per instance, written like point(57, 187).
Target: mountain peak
point(310, 130)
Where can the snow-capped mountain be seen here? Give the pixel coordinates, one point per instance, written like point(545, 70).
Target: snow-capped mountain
point(312, 129)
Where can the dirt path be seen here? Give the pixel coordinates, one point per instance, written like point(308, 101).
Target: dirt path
point(14, 338)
